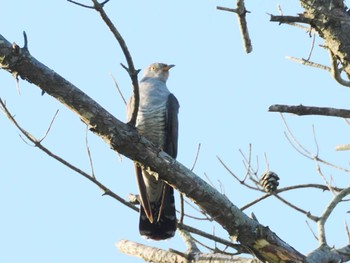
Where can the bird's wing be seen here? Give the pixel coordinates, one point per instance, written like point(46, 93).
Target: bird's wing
point(171, 126)
point(145, 203)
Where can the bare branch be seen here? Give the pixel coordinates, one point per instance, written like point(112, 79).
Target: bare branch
point(38, 144)
point(81, 5)
point(153, 254)
point(240, 181)
point(342, 147)
point(196, 158)
point(131, 69)
point(312, 46)
point(222, 8)
point(330, 207)
point(119, 91)
point(149, 254)
point(241, 12)
point(311, 230)
point(289, 19)
point(347, 231)
point(310, 110)
point(308, 154)
point(49, 128)
point(89, 153)
point(211, 237)
point(188, 240)
point(307, 213)
point(289, 188)
point(309, 63)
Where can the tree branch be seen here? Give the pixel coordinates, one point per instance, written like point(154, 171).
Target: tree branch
point(310, 110)
point(289, 19)
point(131, 69)
point(322, 220)
point(152, 254)
point(241, 12)
point(307, 62)
point(331, 21)
point(126, 140)
point(37, 143)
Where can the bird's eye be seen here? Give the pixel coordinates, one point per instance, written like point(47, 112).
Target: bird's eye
point(153, 68)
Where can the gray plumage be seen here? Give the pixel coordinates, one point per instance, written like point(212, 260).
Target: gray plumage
point(157, 121)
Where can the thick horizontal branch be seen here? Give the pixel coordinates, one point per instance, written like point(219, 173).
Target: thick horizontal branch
point(289, 19)
point(125, 139)
point(153, 254)
point(310, 110)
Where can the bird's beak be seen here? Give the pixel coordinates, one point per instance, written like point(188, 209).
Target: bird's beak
point(167, 67)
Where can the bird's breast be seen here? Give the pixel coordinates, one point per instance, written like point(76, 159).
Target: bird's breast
point(151, 123)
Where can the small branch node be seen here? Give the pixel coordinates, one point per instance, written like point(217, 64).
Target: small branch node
point(25, 46)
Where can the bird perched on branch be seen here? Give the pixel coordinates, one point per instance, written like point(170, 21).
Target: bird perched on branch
point(157, 120)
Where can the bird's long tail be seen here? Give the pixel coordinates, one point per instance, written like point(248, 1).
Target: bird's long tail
point(164, 215)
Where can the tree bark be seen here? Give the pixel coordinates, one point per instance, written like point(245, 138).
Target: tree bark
point(330, 19)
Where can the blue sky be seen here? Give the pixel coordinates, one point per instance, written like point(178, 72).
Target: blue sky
point(51, 214)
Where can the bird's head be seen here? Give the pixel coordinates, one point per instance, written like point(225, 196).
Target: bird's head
point(158, 70)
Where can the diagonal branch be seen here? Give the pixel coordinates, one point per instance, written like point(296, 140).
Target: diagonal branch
point(131, 68)
point(37, 143)
point(125, 139)
point(322, 220)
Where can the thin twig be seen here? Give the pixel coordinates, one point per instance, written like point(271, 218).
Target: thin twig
point(230, 172)
point(222, 8)
point(81, 5)
point(49, 128)
point(312, 47)
point(209, 236)
point(309, 63)
point(302, 150)
point(131, 69)
point(319, 171)
point(308, 214)
point(295, 141)
point(315, 140)
point(37, 144)
point(198, 210)
point(347, 231)
point(209, 181)
point(119, 91)
point(182, 202)
point(289, 188)
point(196, 158)
point(311, 230)
point(89, 153)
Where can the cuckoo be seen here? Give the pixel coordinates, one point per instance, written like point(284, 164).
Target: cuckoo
point(157, 120)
